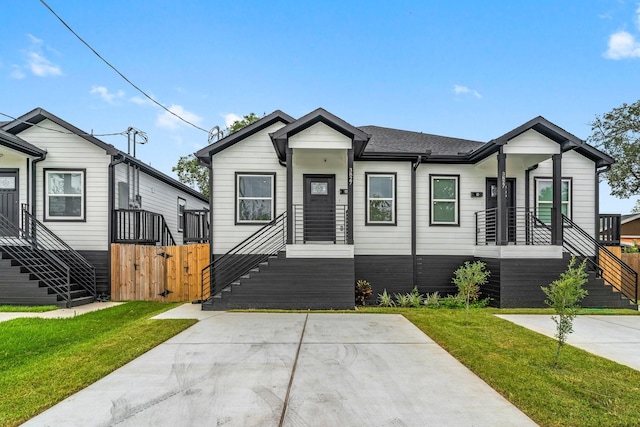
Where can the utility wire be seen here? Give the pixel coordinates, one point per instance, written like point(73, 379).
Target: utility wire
point(62, 131)
point(119, 73)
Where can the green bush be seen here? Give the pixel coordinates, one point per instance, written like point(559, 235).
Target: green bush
point(385, 300)
point(432, 300)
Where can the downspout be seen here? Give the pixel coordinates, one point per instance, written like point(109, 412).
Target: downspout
point(115, 160)
point(597, 198)
point(414, 244)
point(33, 182)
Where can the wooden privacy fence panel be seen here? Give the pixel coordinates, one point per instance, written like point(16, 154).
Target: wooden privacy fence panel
point(157, 273)
point(632, 260)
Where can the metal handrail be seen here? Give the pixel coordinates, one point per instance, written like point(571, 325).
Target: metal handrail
point(81, 271)
point(609, 229)
point(245, 256)
point(320, 224)
point(49, 269)
point(196, 226)
point(523, 227)
point(141, 227)
point(610, 268)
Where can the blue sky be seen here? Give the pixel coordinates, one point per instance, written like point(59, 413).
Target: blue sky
point(466, 69)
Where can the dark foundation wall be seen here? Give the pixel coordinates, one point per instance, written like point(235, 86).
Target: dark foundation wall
point(395, 273)
point(516, 283)
point(100, 260)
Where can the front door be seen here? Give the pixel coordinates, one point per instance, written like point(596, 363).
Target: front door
point(319, 208)
point(492, 203)
point(9, 200)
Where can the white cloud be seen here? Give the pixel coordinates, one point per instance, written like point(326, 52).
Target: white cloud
point(35, 61)
point(622, 45)
point(230, 119)
point(462, 90)
point(169, 121)
point(17, 72)
point(140, 101)
point(104, 93)
point(638, 17)
point(41, 66)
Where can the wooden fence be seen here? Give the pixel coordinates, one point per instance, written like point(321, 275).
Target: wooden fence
point(157, 273)
point(633, 261)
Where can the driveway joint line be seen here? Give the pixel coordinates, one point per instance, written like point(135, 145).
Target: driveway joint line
point(293, 373)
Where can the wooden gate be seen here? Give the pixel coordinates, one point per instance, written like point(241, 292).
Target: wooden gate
point(157, 273)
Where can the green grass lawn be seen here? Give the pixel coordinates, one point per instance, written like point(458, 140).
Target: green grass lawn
point(26, 309)
point(586, 390)
point(43, 361)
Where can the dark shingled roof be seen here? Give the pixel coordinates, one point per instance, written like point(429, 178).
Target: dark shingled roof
point(386, 140)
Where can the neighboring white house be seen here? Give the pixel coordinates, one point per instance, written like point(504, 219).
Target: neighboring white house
point(338, 203)
point(87, 192)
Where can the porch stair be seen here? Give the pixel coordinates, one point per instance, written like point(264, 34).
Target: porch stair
point(19, 286)
point(37, 267)
point(291, 283)
point(603, 295)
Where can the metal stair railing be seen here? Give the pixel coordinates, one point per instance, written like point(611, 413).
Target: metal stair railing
point(608, 266)
point(49, 269)
point(82, 272)
point(523, 227)
point(247, 255)
point(196, 226)
point(141, 227)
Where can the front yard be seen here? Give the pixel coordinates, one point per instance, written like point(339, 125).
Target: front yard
point(43, 361)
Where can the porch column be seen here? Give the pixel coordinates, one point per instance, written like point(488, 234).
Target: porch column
point(556, 209)
point(502, 214)
point(350, 196)
point(290, 213)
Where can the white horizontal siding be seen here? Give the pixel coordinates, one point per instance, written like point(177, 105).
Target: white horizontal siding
point(382, 239)
point(15, 160)
point(253, 154)
point(158, 197)
point(581, 170)
point(321, 162)
point(531, 142)
point(320, 136)
point(66, 151)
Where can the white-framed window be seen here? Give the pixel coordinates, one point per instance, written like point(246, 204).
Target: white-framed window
point(64, 192)
point(255, 198)
point(445, 199)
point(544, 198)
point(381, 198)
point(182, 203)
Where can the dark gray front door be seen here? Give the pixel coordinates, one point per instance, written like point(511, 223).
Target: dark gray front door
point(492, 202)
point(9, 200)
point(319, 208)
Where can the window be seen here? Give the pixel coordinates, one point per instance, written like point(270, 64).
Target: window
point(381, 198)
point(254, 198)
point(64, 195)
point(444, 200)
point(181, 205)
point(544, 198)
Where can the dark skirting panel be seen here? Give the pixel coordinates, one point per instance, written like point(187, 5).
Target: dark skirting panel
point(100, 260)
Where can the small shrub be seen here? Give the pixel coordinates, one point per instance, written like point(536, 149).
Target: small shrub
point(403, 300)
point(432, 300)
point(468, 278)
point(363, 291)
point(564, 296)
point(452, 301)
point(385, 300)
point(415, 298)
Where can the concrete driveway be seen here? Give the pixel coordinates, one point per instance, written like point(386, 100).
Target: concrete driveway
point(614, 337)
point(274, 369)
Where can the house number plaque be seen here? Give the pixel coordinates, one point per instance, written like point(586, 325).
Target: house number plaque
point(7, 183)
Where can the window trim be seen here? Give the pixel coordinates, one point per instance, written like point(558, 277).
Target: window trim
point(181, 214)
point(237, 198)
point(394, 216)
point(45, 195)
point(456, 222)
point(569, 202)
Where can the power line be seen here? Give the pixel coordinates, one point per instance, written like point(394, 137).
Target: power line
point(62, 131)
point(119, 73)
